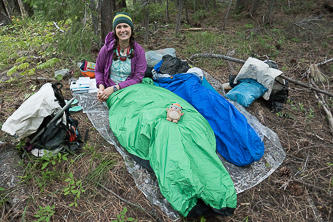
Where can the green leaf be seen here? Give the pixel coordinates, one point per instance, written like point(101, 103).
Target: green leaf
point(44, 165)
point(23, 66)
point(11, 71)
point(71, 204)
point(1, 189)
point(130, 219)
point(68, 179)
point(125, 210)
point(75, 204)
point(21, 59)
point(53, 162)
point(48, 63)
point(30, 72)
point(37, 215)
point(64, 158)
point(47, 219)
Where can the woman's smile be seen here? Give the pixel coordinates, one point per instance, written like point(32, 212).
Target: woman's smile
point(123, 31)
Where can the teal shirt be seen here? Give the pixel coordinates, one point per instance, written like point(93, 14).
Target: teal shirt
point(120, 70)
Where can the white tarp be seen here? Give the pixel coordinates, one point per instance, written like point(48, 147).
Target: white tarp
point(260, 71)
point(29, 116)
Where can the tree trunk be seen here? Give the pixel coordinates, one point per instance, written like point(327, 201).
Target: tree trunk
point(186, 13)
point(13, 8)
point(254, 7)
point(268, 14)
point(226, 15)
point(147, 23)
point(94, 17)
point(4, 18)
point(167, 12)
point(107, 9)
point(22, 9)
point(179, 15)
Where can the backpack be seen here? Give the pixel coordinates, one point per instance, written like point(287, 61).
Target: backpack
point(280, 91)
point(57, 133)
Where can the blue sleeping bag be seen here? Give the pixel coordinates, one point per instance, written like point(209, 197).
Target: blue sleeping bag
point(236, 140)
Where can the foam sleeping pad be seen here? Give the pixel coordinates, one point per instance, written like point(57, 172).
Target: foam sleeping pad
point(182, 156)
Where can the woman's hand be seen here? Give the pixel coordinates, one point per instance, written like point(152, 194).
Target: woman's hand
point(99, 93)
point(104, 94)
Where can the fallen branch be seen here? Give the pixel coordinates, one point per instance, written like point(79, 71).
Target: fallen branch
point(314, 208)
point(316, 65)
point(192, 29)
point(58, 27)
point(126, 201)
point(210, 55)
point(226, 15)
point(286, 184)
point(326, 109)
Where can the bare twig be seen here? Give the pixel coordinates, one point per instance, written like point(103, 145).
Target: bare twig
point(192, 29)
point(55, 24)
point(327, 111)
point(314, 208)
point(209, 55)
point(126, 201)
point(3, 211)
point(226, 15)
point(232, 70)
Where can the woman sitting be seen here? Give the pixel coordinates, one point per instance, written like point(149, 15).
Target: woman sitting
point(121, 61)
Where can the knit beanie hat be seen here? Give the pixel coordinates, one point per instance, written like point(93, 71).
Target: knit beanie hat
point(122, 17)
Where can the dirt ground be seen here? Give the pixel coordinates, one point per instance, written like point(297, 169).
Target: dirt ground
point(301, 188)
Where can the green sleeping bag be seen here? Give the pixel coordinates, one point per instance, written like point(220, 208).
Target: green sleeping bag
point(183, 156)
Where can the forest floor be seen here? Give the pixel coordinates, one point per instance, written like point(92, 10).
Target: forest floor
point(299, 190)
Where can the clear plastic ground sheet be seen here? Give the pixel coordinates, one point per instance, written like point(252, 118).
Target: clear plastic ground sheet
point(243, 177)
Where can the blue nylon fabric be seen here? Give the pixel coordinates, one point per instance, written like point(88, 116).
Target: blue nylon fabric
point(236, 140)
point(246, 92)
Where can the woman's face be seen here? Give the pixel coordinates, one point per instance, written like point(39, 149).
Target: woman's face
point(123, 31)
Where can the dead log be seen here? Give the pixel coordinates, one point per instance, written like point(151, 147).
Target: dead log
point(218, 56)
point(192, 29)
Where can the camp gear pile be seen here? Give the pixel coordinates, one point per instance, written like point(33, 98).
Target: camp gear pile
point(43, 120)
point(243, 177)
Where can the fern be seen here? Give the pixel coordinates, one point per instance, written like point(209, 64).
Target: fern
point(23, 66)
point(11, 71)
point(21, 59)
point(29, 72)
point(48, 63)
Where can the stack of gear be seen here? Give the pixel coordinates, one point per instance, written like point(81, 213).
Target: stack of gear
point(45, 121)
point(255, 79)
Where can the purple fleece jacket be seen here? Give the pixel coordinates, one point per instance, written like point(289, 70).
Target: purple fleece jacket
point(104, 62)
